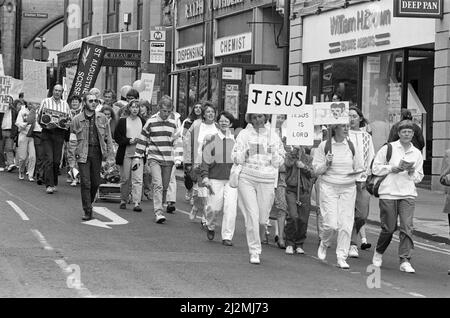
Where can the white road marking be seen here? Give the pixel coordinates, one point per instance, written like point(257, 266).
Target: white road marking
point(18, 210)
point(73, 278)
point(107, 213)
point(42, 240)
point(417, 295)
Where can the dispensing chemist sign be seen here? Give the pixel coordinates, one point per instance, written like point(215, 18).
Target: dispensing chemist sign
point(275, 99)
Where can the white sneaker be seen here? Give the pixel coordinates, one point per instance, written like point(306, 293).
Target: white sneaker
point(377, 259)
point(21, 176)
point(353, 251)
point(406, 267)
point(2, 169)
point(159, 218)
point(74, 183)
point(322, 251)
point(289, 250)
point(299, 250)
point(254, 259)
point(341, 263)
point(191, 202)
point(193, 214)
point(49, 190)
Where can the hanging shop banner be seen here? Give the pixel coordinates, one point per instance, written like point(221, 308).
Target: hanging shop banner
point(232, 99)
point(149, 80)
point(2, 70)
point(90, 61)
point(300, 127)
point(331, 113)
point(433, 9)
point(35, 80)
point(275, 99)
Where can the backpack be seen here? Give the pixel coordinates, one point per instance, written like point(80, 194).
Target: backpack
point(349, 142)
point(373, 182)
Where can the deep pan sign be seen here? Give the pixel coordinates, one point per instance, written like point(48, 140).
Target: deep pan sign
point(419, 8)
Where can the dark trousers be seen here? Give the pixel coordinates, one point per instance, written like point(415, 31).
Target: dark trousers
point(390, 210)
point(38, 171)
point(90, 177)
point(52, 144)
point(298, 217)
point(188, 183)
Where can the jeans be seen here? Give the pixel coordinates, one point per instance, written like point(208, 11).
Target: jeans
point(297, 220)
point(172, 190)
point(90, 177)
point(52, 143)
point(160, 180)
point(131, 179)
point(255, 200)
point(390, 210)
point(224, 199)
point(26, 152)
point(6, 148)
point(361, 210)
point(337, 205)
point(39, 149)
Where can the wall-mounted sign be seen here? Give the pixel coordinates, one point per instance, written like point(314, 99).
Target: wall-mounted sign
point(189, 53)
point(35, 15)
point(419, 8)
point(233, 44)
point(157, 52)
point(362, 28)
point(157, 35)
point(275, 99)
point(232, 73)
point(232, 99)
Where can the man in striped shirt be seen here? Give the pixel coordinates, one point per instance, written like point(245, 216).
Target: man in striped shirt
point(54, 117)
point(158, 134)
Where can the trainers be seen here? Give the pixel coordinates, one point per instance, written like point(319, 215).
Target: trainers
point(21, 176)
point(31, 179)
point(227, 243)
point(365, 246)
point(406, 267)
point(254, 259)
point(171, 208)
point(341, 263)
point(289, 250)
point(299, 250)
point(193, 213)
point(11, 167)
point(210, 234)
point(49, 190)
point(74, 183)
point(159, 218)
point(123, 206)
point(2, 169)
point(377, 259)
point(322, 251)
point(137, 208)
point(353, 251)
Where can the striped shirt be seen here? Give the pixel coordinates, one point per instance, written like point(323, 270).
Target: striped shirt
point(57, 107)
point(158, 136)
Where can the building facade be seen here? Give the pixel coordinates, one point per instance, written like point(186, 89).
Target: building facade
point(378, 62)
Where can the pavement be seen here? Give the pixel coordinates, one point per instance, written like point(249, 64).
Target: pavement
point(430, 223)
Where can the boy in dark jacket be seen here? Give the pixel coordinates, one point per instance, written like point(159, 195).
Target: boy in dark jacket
point(299, 181)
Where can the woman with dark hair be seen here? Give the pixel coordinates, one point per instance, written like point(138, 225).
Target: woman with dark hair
point(335, 161)
point(365, 151)
point(145, 110)
point(193, 152)
point(215, 174)
point(196, 114)
point(260, 153)
point(109, 113)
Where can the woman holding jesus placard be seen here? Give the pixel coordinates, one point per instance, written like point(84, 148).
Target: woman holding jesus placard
point(261, 153)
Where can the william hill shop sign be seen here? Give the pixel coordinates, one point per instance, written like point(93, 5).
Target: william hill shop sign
point(419, 8)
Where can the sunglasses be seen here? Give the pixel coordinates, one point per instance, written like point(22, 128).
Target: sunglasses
point(93, 100)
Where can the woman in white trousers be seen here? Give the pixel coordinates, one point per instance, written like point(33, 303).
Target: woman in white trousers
point(25, 146)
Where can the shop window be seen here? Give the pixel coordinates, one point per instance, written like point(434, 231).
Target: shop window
point(86, 27)
point(382, 93)
point(203, 85)
point(340, 77)
point(112, 18)
point(193, 87)
point(140, 9)
point(314, 84)
point(182, 92)
point(214, 86)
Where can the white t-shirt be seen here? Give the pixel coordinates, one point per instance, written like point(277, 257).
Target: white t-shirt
point(204, 131)
point(134, 129)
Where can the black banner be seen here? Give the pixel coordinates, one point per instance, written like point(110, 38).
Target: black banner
point(90, 60)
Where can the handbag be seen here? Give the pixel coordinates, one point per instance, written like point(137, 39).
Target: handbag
point(234, 175)
point(373, 182)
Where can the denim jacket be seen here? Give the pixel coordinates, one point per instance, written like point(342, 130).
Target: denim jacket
point(80, 128)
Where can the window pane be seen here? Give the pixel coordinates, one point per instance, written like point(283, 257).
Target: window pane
point(214, 86)
point(203, 85)
point(314, 84)
point(382, 93)
point(182, 89)
point(193, 85)
point(340, 77)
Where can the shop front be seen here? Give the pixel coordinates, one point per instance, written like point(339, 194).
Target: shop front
point(216, 61)
point(377, 62)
